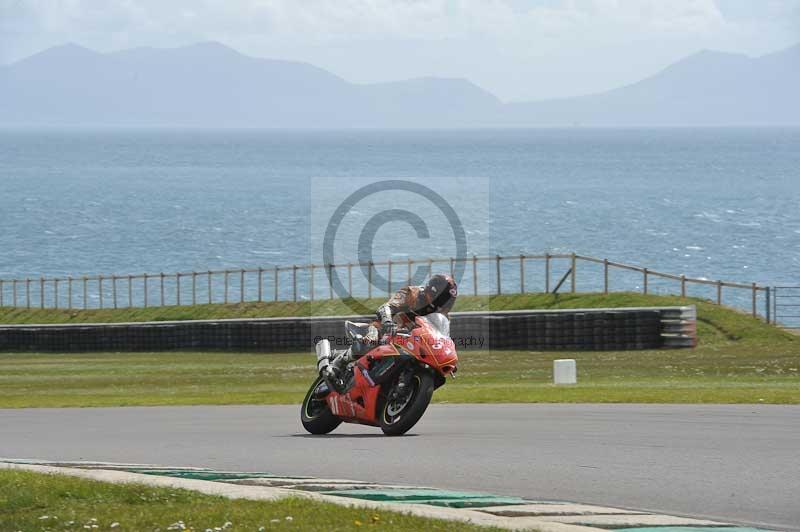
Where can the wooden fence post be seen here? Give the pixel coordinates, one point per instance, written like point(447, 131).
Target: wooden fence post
point(241, 286)
point(69, 292)
point(522, 274)
point(330, 281)
point(497, 274)
point(605, 276)
point(644, 286)
point(145, 290)
point(41, 292)
point(194, 288)
point(775, 305)
point(768, 295)
point(162, 288)
point(178, 289)
point(85, 293)
point(389, 281)
point(114, 289)
point(28, 293)
point(311, 282)
point(276, 283)
point(369, 280)
point(55, 293)
point(572, 276)
point(14, 291)
point(100, 289)
point(683, 285)
point(130, 291)
point(260, 284)
point(294, 282)
point(755, 292)
point(350, 279)
point(475, 275)
point(210, 298)
point(226, 287)
point(547, 273)
point(719, 292)
point(2, 295)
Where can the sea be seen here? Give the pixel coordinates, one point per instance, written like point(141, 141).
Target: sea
point(705, 202)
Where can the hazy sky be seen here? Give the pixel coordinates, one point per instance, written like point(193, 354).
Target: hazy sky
point(517, 49)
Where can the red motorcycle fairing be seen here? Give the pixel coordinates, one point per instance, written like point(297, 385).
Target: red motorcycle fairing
point(359, 404)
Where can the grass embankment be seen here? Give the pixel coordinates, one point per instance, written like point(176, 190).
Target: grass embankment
point(339, 307)
point(34, 501)
point(739, 359)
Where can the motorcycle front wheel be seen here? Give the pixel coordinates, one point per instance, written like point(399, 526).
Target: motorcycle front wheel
point(398, 414)
point(315, 414)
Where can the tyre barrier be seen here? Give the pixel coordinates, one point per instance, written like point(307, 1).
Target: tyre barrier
point(539, 330)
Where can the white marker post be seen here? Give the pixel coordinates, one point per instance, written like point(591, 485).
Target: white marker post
point(564, 371)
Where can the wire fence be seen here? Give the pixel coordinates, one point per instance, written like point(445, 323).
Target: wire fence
point(482, 275)
point(786, 306)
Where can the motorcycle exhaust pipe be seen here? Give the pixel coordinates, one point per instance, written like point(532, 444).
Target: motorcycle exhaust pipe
point(323, 348)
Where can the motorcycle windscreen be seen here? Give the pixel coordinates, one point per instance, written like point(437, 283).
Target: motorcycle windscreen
point(438, 322)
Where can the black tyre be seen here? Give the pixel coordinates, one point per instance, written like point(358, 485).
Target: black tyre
point(315, 414)
point(397, 416)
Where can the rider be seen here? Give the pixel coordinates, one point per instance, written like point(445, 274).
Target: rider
point(437, 295)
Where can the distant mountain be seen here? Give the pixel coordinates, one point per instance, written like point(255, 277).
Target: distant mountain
point(707, 88)
point(211, 85)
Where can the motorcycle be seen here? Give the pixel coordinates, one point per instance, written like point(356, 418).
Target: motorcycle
point(390, 386)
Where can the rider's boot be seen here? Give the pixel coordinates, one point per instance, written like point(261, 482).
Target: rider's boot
point(334, 369)
point(332, 366)
point(340, 361)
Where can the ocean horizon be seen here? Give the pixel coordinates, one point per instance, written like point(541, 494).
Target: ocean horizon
point(716, 203)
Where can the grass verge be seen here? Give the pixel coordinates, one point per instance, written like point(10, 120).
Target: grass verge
point(739, 359)
point(339, 307)
point(35, 501)
point(735, 374)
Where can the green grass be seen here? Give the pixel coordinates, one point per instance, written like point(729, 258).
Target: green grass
point(342, 308)
point(35, 501)
point(736, 374)
point(739, 359)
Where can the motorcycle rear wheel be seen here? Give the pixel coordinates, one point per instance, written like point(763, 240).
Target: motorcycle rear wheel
point(397, 417)
point(315, 414)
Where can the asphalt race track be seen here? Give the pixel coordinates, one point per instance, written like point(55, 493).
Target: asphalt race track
point(734, 462)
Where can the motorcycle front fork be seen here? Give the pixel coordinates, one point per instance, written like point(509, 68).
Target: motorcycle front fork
point(403, 382)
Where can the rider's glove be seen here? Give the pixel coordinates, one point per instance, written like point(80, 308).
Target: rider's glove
point(389, 327)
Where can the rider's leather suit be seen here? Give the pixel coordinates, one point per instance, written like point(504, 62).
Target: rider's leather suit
point(401, 309)
point(408, 303)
